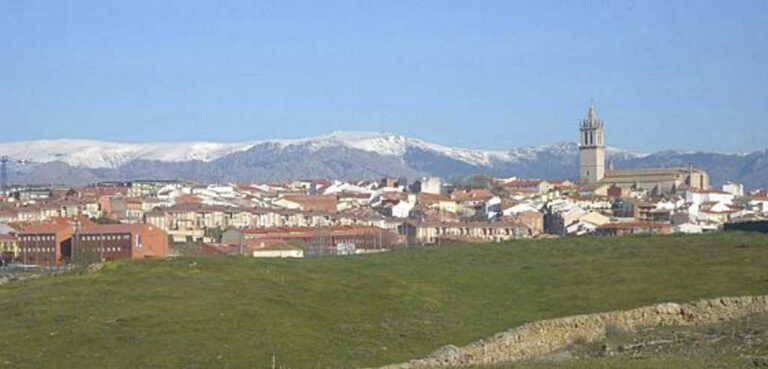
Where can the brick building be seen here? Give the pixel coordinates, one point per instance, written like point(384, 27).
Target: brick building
point(119, 241)
point(45, 243)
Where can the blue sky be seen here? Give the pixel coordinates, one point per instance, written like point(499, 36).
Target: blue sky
point(484, 74)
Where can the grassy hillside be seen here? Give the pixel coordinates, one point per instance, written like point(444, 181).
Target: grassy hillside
point(353, 311)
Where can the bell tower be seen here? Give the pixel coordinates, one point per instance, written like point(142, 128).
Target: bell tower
point(591, 149)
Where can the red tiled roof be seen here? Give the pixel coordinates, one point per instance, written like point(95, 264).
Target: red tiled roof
point(431, 197)
point(633, 225)
point(5, 236)
point(115, 228)
point(517, 183)
point(712, 191)
point(283, 232)
point(504, 224)
point(267, 244)
point(314, 202)
point(472, 195)
point(43, 228)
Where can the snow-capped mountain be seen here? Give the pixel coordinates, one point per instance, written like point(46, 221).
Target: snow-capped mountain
point(339, 155)
point(104, 154)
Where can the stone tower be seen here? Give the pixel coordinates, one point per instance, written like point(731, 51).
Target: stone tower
point(591, 149)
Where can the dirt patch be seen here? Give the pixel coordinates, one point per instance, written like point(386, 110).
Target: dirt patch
point(544, 339)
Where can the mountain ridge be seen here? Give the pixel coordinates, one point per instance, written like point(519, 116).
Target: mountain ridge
point(111, 154)
point(338, 155)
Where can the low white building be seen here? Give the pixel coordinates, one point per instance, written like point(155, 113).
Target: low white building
point(519, 208)
point(735, 189)
point(402, 209)
point(278, 250)
point(433, 185)
point(697, 196)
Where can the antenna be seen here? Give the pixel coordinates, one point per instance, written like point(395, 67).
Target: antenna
point(4, 172)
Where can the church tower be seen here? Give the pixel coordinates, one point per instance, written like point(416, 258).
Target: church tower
point(591, 149)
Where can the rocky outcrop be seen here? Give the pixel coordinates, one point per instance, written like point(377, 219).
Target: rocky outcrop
point(540, 338)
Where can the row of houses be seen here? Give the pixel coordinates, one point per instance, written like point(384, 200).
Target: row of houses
point(315, 214)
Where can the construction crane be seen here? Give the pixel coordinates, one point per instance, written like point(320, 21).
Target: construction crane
point(4, 172)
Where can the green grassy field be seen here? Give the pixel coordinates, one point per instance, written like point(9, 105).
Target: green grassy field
point(353, 311)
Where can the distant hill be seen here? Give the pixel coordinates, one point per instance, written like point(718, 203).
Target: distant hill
point(340, 155)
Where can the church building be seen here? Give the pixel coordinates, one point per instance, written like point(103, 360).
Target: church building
point(592, 169)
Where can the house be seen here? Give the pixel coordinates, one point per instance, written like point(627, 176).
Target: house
point(471, 201)
point(430, 185)
point(158, 218)
point(652, 212)
point(529, 185)
point(735, 189)
point(9, 248)
point(325, 203)
point(557, 221)
point(586, 224)
point(534, 220)
point(755, 202)
point(402, 209)
point(432, 231)
point(718, 212)
point(514, 209)
point(365, 217)
point(625, 208)
point(698, 196)
point(388, 182)
point(695, 228)
point(134, 209)
point(594, 218)
point(189, 221)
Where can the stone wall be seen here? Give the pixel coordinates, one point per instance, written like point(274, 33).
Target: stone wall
point(543, 337)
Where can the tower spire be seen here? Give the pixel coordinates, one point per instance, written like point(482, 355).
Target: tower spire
point(591, 149)
point(592, 120)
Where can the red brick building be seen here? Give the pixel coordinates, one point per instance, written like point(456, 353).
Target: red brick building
point(45, 243)
point(120, 241)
